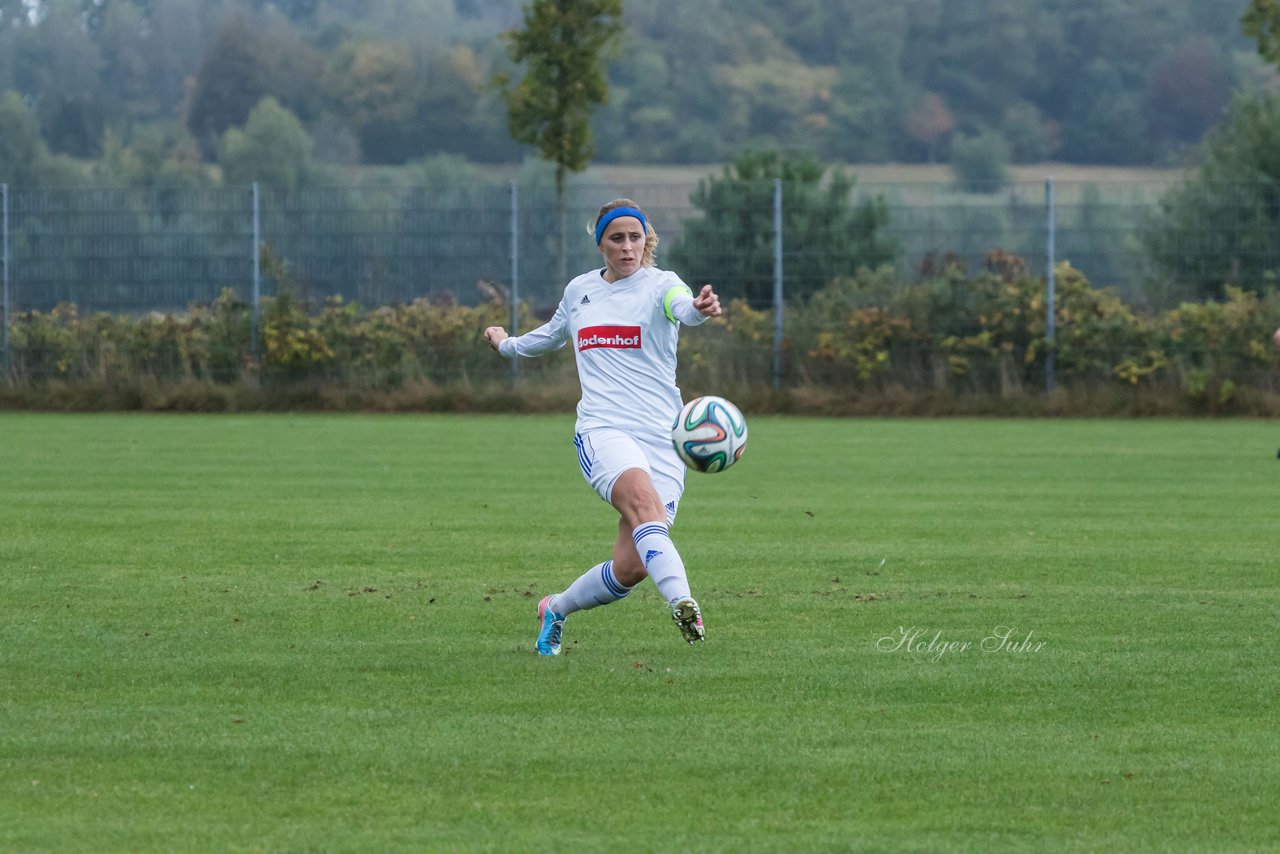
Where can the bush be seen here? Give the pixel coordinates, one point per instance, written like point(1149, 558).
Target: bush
point(954, 342)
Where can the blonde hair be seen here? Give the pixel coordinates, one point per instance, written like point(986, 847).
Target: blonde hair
point(650, 236)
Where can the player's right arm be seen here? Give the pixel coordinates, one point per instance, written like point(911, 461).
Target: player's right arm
point(551, 335)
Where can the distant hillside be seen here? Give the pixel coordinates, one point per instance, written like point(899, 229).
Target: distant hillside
point(1115, 82)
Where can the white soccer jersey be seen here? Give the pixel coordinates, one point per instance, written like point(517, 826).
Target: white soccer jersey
point(625, 336)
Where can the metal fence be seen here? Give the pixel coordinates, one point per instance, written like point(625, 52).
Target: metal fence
point(140, 250)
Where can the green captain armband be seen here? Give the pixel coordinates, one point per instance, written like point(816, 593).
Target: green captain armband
point(672, 293)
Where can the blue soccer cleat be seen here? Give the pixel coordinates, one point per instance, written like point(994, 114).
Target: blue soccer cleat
point(552, 624)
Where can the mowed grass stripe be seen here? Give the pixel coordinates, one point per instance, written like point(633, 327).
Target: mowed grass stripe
point(312, 632)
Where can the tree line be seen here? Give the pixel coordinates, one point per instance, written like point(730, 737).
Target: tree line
point(249, 113)
point(382, 82)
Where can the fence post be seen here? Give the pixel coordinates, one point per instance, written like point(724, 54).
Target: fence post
point(515, 272)
point(1049, 320)
point(777, 283)
point(257, 276)
point(4, 275)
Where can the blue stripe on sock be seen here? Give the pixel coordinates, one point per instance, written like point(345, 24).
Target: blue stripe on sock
point(646, 530)
point(610, 582)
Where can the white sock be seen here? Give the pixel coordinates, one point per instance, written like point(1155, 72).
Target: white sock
point(661, 560)
point(597, 586)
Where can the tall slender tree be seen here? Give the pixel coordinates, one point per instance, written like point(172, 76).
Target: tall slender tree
point(562, 47)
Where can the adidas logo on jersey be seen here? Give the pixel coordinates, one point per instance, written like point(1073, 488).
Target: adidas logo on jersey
point(586, 300)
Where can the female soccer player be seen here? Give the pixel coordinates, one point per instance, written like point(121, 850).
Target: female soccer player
point(624, 321)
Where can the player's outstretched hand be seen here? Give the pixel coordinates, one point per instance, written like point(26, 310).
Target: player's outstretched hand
point(707, 303)
point(495, 335)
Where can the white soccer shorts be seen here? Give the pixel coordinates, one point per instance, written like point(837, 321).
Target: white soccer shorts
point(605, 453)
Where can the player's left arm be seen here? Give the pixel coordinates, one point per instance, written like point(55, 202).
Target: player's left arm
point(681, 305)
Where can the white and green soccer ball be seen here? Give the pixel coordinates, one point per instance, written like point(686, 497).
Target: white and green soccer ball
point(710, 434)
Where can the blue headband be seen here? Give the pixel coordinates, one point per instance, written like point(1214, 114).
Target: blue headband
point(614, 214)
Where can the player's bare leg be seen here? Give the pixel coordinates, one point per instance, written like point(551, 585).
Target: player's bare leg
point(650, 550)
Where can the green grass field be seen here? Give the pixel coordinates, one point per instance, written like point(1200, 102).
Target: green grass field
point(314, 633)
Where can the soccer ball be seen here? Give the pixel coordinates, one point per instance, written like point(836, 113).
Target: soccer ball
point(710, 434)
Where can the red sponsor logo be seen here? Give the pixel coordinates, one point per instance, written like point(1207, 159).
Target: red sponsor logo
point(613, 337)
